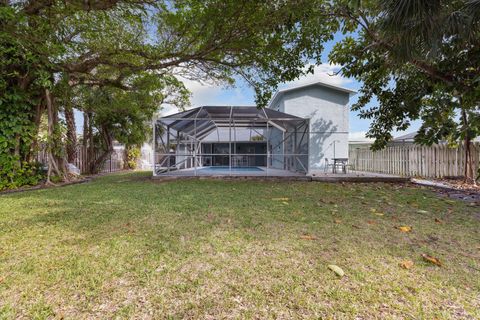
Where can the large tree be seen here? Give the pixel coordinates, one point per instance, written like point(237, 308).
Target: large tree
point(102, 44)
point(420, 59)
point(121, 115)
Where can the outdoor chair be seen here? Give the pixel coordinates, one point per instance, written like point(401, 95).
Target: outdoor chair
point(340, 165)
point(348, 167)
point(343, 166)
point(327, 165)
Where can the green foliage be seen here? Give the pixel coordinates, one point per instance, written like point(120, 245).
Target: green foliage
point(417, 60)
point(125, 115)
point(264, 42)
point(17, 126)
point(257, 138)
point(132, 156)
point(121, 60)
point(14, 174)
point(56, 179)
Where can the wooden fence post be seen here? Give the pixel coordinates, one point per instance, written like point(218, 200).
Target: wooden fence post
point(436, 161)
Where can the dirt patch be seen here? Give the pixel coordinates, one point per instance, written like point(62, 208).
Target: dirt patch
point(472, 197)
point(453, 188)
point(459, 184)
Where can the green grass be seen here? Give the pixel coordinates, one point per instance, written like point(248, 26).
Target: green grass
point(124, 246)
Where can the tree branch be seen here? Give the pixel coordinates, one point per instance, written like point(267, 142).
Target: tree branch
point(363, 22)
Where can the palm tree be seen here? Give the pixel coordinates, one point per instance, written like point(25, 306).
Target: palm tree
point(422, 26)
point(418, 31)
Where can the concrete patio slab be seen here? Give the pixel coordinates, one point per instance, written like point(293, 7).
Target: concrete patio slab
point(260, 172)
point(276, 175)
point(358, 176)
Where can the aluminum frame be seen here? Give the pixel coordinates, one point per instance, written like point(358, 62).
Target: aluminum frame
point(178, 140)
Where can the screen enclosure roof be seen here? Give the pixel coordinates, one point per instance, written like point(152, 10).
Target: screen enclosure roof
point(199, 122)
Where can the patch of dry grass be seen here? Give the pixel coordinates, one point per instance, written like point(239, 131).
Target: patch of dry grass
point(126, 247)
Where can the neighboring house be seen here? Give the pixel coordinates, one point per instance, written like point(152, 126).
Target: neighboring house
point(408, 138)
point(300, 128)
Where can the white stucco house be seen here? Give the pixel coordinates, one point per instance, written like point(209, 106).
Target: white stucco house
point(301, 127)
point(327, 108)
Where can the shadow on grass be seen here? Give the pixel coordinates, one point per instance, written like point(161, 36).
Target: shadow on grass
point(183, 236)
point(132, 206)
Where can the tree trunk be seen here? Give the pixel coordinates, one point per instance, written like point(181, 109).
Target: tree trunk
point(91, 146)
point(108, 141)
point(469, 168)
point(39, 109)
point(85, 167)
point(85, 130)
point(469, 171)
point(56, 163)
point(71, 133)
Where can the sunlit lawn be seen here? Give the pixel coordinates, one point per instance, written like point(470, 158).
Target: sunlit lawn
point(124, 246)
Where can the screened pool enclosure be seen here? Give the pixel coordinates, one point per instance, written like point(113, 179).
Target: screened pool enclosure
point(229, 140)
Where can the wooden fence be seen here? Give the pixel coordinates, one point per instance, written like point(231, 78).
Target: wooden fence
point(412, 160)
point(114, 161)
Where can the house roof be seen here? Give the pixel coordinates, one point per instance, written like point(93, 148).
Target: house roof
point(410, 137)
point(406, 137)
point(230, 112)
point(281, 92)
point(199, 122)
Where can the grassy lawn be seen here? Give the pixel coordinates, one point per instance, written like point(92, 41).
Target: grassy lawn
point(124, 246)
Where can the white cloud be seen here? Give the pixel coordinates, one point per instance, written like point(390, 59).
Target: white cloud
point(219, 94)
point(199, 92)
point(168, 110)
point(204, 94)
point(358, 136)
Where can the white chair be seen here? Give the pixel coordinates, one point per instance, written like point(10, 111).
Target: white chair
point(327, 165)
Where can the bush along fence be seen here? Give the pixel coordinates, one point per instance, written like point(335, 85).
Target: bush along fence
point(113, 162)
point(436, 161)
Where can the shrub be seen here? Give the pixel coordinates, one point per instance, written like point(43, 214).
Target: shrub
point(17, 174)
point(132, 153)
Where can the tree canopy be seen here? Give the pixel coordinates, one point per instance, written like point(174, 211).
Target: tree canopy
point(420, 60)
point(93, 56)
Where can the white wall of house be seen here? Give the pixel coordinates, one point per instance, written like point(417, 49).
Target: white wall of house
point(327, 108)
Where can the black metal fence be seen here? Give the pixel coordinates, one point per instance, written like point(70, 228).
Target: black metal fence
point(114, 162)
